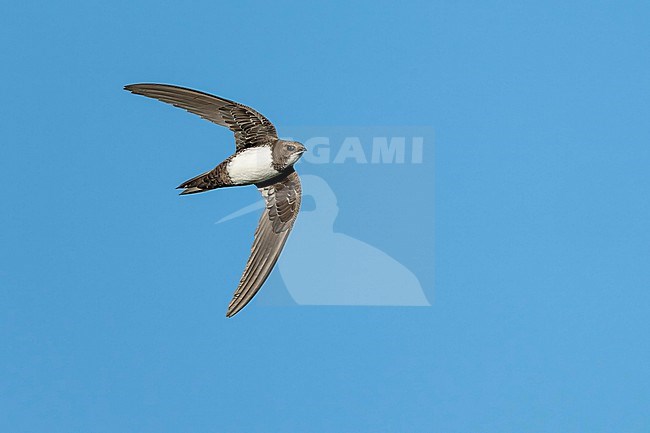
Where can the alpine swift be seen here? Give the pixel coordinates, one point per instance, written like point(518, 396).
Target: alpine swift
point(260, 159)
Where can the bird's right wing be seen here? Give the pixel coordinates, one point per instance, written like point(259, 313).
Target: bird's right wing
point(250, 127)
point(282, 205)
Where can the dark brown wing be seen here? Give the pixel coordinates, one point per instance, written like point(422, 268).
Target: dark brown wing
point(250, 127)
point(282, 206)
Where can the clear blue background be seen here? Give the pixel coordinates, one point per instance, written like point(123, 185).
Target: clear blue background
point(113, 289)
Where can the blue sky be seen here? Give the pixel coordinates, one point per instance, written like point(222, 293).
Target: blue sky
point(534, 198)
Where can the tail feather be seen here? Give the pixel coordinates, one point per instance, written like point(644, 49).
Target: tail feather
point(203, 182)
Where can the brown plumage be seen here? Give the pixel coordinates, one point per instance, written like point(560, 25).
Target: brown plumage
point(216, 178)
point(260, 159)
point(282, 198)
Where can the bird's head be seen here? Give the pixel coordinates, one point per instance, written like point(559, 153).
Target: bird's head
point(286, 153)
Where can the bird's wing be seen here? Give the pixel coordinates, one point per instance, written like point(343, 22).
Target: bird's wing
point(282, 205)
point(250, 127)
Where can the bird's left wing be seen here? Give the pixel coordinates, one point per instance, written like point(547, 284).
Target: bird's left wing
point(282, 198)
point(250, 127)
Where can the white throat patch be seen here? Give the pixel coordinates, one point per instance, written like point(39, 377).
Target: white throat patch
point(293, 158)
point(252, 166)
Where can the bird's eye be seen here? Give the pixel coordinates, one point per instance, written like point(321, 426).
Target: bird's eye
point(291, 148)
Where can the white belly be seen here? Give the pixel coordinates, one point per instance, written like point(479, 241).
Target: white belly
point(252, 166)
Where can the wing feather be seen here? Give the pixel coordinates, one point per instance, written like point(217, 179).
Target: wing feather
point(250, 127)
point(282, 205)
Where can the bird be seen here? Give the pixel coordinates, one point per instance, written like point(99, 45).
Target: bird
point(261, 159)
